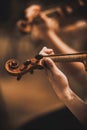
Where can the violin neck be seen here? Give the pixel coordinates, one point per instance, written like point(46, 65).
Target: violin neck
point(77, 57)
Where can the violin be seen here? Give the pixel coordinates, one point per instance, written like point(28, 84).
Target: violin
point(13, 67)
point(33, 14)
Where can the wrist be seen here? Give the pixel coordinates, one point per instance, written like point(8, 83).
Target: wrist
point(66, 95)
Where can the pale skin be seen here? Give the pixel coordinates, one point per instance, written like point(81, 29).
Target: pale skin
point(59, 82)
point(60, 85)
point(48, 33)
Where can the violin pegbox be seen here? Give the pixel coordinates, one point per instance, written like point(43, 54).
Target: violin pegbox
point(14, 68)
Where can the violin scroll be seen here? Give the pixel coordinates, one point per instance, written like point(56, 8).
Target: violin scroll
point(12, 66)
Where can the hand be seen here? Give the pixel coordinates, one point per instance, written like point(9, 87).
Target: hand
point(56, 77)
point(31, 12)
point(39, 31)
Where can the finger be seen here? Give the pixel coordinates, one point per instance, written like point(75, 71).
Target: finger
point(51, 66)
point(47, 62)
point(46, 51)
point(44, 17)
point(32, 11)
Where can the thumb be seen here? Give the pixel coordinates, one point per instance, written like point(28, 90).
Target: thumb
point(49, 65)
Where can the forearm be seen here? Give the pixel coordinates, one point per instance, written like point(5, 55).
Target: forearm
point(62, 89)
point(75, 105)
point(75, 68)
point(58, 43)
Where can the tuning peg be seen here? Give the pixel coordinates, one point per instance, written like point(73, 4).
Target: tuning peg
point(27, 62)
point(19, 77)
point(38, 57)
